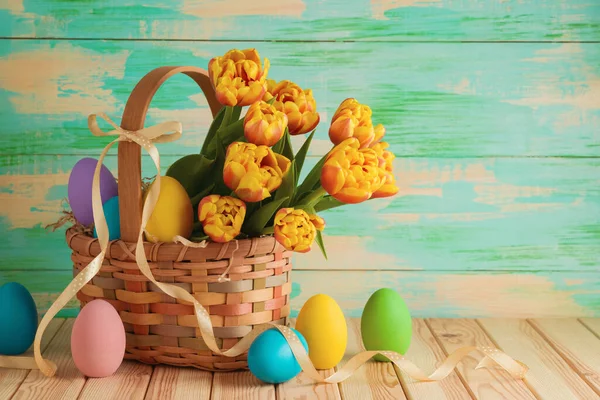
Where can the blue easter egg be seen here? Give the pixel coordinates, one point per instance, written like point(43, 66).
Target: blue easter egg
point(270, 357)
point(111, 213)
point(18, 319)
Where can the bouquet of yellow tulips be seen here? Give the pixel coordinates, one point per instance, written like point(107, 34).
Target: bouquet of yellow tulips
point(245, 180)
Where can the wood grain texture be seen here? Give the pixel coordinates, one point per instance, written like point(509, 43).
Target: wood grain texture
point(375, 20)
point(178, 383)
point(425, 352)
point(435, 99)
point(550, 376)
point(451, 215)
point(485, 384)
point(432, 294)
point(130, 381)
point(240, 385)
point(68, 381)
point(304, 388)
point(593, 324)
point(11, 379)
point(576, 344)
point(374, 380)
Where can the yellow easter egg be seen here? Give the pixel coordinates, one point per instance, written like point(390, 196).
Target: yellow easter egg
point(173, 214)
point(322, 323)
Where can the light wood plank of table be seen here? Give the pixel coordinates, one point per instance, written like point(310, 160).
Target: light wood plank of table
point(240, 386)
point(303, 387)
point(11, 379)
point(485, 383)
point(427, 354)
point(374, 380)
point(549, 376)
point(576, 344)
point(593, 324)
point(130, 382)
point(68, 381)
point(170, 383)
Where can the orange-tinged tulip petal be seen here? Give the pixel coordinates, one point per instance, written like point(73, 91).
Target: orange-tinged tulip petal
point(296, 230)
point(264, 124)
point(299, 105)
point(353, 119)
point(351, 174)
point(379, 133)
point(386, 173)
point(252, 171)
point(238, 77)
point(221, 217)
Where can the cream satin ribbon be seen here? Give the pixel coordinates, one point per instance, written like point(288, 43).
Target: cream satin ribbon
point(160, 134)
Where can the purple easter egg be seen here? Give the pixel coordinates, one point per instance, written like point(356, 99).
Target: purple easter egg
point(80, 188)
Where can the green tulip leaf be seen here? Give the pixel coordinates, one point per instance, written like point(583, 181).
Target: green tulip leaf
point(284, 146)
point(319, 240)
point(197, 198)
point(217, 172)
point(301, 155)
point(327, 203)
point(288, 184)
point(212, 131)
point(311, 182)
point(191, 171)
point(259, 219)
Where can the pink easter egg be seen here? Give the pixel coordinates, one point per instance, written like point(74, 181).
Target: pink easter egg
point(98, 339)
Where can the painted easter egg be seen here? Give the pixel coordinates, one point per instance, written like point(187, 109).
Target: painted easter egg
point(80, 188)
point(18, 319)
point(270, 357)
point(98, 339)
point(173, 214)
point(386, 323)
point(111, 214)
point(322, 323)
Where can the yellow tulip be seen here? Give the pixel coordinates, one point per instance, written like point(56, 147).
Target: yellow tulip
point(386, 173)
point(351, 174)
point(353, 119)
point(296, 230)
point(299, 105)
point(221, 217)
point(238, 77)
point(252, 171)
point(264, 124)
point(379, 133)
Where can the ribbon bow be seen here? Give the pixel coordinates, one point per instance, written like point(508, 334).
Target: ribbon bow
point(167, 132)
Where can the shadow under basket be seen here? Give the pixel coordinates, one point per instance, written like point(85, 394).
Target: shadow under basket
point(161, 331)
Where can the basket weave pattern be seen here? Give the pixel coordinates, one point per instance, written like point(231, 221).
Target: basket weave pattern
point(160, 331)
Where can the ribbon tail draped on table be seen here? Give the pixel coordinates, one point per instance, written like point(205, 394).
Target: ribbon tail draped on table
point(167, 132)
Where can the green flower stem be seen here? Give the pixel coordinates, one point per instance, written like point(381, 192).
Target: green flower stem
point(227, 118)
point(314, 197)
point(269, 230)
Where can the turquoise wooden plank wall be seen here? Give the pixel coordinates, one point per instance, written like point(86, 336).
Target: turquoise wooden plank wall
point(492, 108)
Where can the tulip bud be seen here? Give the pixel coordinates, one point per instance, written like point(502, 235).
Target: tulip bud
point(386, 173)
point(351, 174)
point(298, 105)
point(353, 119)
point(238, 77)
point(221, 217)
point(252, 171)
point(263, 124)
point(296, 230)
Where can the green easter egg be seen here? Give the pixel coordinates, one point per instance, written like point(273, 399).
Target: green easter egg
point(386, 323)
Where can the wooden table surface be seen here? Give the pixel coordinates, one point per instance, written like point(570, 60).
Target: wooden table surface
point(563, 356)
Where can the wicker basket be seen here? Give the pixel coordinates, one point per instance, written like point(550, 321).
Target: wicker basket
point(159, 330)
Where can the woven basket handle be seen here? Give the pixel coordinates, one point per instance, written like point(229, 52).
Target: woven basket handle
point(129, 167)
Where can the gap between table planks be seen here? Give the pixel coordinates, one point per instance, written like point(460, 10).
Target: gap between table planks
point(563, 356)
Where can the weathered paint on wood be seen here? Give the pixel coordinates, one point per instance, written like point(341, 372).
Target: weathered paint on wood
point(436, 294)
point(386, 20)
point(503, 214)
point(435, 99)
